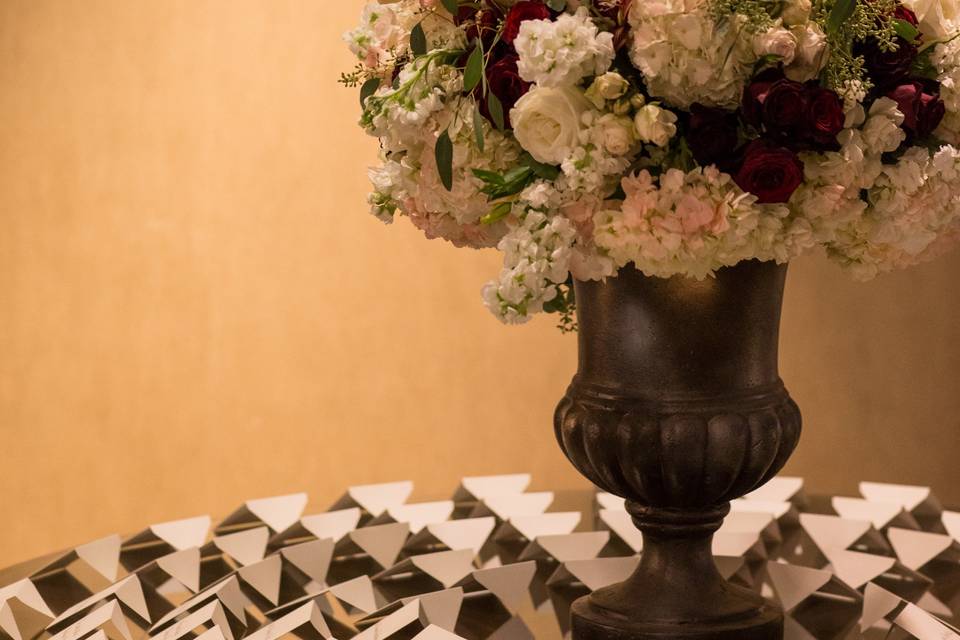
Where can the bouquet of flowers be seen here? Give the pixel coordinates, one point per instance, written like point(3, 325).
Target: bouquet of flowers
point(578, 136)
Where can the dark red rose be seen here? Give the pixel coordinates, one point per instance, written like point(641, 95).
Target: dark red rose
point(824, 116)
point(902, 13)
point(711, 135)
point(770, 172)
point(922, 110)
point(887, 68)
point(505, 82)
point(755, 93)
point(784, 110)
point(520, 13)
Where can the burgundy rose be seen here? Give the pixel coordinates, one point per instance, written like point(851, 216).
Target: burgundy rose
point(770, 172)
point(824, 116)
point(784, 109)
point(887, 68)
point(712, 134)
point(505, 82)
point(520, 13)
point(905, 14)
point(754, 95)
point(922, 110)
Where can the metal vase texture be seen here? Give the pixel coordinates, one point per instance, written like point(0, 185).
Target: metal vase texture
point(678, 406)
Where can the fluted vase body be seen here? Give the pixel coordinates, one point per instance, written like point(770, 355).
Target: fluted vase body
point(678, 406)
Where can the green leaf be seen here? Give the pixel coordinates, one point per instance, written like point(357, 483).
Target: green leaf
point(905, 30)
point(490, 177)
point(418, 40)
point(478, 126)
point(496, 111)
point(473, 71)
point(368, 89)
point(444, 155)
point(765, 61)
point(841, 12)
point(451, 6)
point(541, 170)
point(500, 211)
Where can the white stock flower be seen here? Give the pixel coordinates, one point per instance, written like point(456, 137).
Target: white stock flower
point(557, 53)
point(546, 122)
point(881, 131)
point(655, 125)
point(938, 18)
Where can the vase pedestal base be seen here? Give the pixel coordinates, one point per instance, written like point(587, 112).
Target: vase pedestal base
point(590, 622)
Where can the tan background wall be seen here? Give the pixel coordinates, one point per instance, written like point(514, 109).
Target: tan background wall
point(195, 308)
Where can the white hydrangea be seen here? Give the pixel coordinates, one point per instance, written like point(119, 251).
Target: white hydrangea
point(561, 52)
point(693, 223)
point(686, 57)
point(408, 120)
point(946, 59)
point(914, 210)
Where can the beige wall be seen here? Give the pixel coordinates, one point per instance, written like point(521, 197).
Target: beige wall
point(196, 309)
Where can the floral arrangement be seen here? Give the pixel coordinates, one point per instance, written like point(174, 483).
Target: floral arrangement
point(578, 136)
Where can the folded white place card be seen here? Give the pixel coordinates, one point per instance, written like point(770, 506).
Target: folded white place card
point(374, 499)
point(277, 512)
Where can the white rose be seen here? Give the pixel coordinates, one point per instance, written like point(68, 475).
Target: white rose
point(776, 42)
point(546, 122)
point(617, 133)
point(938, 18)
point(811, 53)
point(609, 86)
point(655, 125)
point(796, 12)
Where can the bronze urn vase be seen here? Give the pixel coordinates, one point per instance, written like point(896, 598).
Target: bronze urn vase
point(678, 406)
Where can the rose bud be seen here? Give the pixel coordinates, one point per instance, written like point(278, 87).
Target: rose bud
point(905, 14)
point(520, 13)
point(784, 110)
point(482, 21)
point(505, 82)
point(770, 172)
point(825, 117)
point(711, 135)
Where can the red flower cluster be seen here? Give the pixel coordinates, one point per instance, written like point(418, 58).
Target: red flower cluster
point(799, 116)
point(922, 110)
point(769, 171)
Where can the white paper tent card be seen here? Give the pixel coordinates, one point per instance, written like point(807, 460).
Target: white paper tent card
point(211, 615)
point(332, 524)
point(584, 545)
point(856, 569)
point(374, 499)
point(353, 597)
point(277, 513)
point(473, 489)
point(453, 535)
point(417, 515)
point(242, 548)
point(919, 501)
point(786, 513)
point(439, 608)
point(951, 523)
point(23, 612)
point(78, 573)
point(878, 604)
point(606, 500)
point(108, 618)
point(311, 560)
point(577, 578)
point(762, 525)
point(433, 632)
point(505, 506)
point(162, 539)
point(529, 528)
point(924, 626)
point(424, 573)
point(780, 489)
point(815, 599)
point(880, 514)
point(227, 593)
point(746, 545)
point(621, 525)
point(735, 569)
point(382, 543)
point(397, 618)
point(833, 532)
point(509, 584)
point(916, 549)
point(129, 592)
point(306, 622)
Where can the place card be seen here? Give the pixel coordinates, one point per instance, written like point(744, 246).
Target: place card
point(332, 524)
point(374, 499)
point(277, 512)
point(454, 535)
